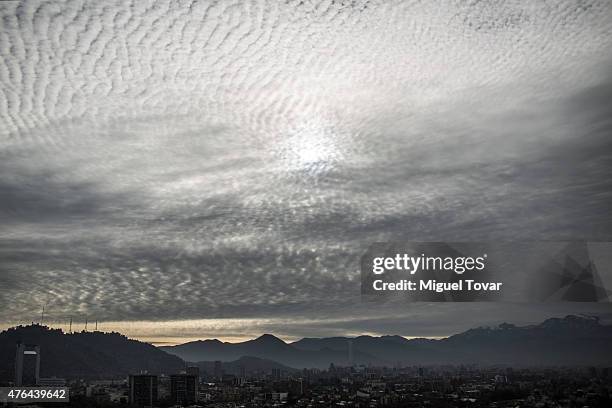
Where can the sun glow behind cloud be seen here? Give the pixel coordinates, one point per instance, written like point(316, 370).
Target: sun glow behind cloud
point(312, 148)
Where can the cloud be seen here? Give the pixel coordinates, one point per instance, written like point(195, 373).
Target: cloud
point(190, 160)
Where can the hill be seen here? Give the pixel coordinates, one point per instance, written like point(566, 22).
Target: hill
point(85, 354)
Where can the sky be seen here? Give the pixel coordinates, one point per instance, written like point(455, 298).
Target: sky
point(216, 169)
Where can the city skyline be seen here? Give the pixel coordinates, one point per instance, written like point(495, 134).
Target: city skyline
point(507, 364)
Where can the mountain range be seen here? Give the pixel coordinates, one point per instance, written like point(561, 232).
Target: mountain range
point(573, 340)
point(569, 341)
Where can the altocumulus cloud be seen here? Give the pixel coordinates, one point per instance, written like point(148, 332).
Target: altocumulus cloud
point(180, 160)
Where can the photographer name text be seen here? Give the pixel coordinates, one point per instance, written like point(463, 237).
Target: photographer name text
point(435, 286)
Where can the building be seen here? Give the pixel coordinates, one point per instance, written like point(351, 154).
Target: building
point(143, 390)
point(183, 389)
point(218, 370)
point(195, 371)
point(27, 365)
point(279, 396)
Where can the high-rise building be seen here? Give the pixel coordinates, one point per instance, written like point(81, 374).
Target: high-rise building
point(184, 389)
point(143, 390)
point(27, 365)
point(193, 370)
point(218, 370)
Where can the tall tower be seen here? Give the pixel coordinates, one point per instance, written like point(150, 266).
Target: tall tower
point(184, 389)
point(218, 370)
point(143, 390)
point(27, 365)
